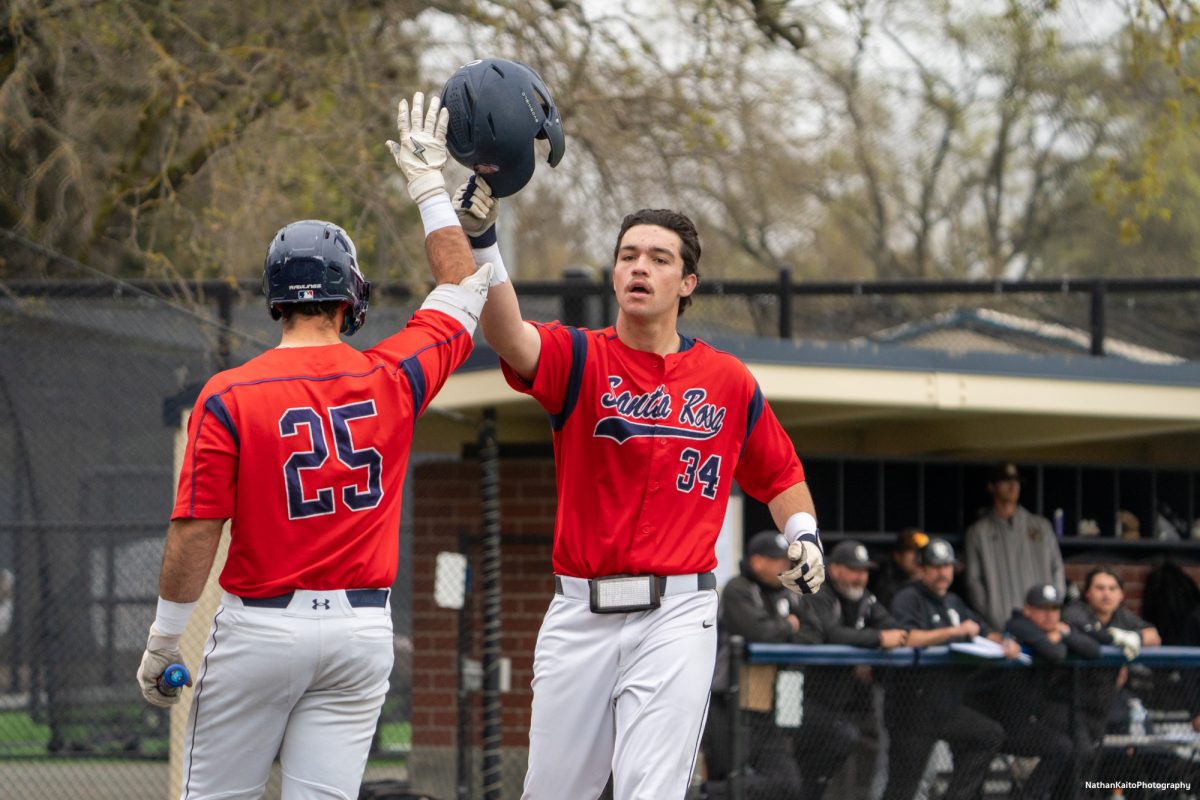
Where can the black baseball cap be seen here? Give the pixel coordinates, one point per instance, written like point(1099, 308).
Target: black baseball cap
point(767, 543)
point(1004, 471)
point(851, 554)
point(937, 553)
point(1044, 595)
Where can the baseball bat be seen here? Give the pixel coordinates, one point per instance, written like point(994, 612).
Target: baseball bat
point(173, 677)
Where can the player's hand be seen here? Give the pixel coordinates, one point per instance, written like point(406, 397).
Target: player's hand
point(478, 282)
point(477, 210)
point(808, 564)
point(1130, 642)
point(1012, 650)
point(969, 628)
point(161, 652)
point(421, 153)
point(893, 637)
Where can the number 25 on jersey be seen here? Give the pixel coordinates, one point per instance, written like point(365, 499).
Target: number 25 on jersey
point(291, 424)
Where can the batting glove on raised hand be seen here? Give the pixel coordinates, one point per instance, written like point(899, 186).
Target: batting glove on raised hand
point(1130, 642)
point(477, 211)
point(161, 652)
point(421, 153)
point(808, 564)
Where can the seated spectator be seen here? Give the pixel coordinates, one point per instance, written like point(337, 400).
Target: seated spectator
point(842, 612)
point(925, 705)
point(1033, 704)
point(1102, 614)
point(901, 569)
point(756, 606)
point(1104, 693)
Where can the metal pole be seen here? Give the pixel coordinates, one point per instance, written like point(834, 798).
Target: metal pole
point(1098, 291)
point(606, 298)
point(463, 755)
point(225, 312)
point(785, 302)
point(489, 468)
point(737, 649)
point(576, 280)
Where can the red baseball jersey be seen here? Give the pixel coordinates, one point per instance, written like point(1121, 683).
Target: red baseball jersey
point(646, 450)
point(306, 449)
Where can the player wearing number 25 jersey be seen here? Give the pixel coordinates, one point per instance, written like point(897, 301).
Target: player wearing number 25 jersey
point(331, 429)
point(651, 429)
point(304, 450)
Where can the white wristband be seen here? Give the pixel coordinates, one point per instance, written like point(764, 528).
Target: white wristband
point(491, 253)
point(799, 523)
point(459, 302)
point(437, 213)
point(172, 618)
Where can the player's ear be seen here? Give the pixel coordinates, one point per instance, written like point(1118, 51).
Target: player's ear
point(688, 285)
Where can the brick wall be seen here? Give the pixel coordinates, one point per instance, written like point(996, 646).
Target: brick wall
point(446, 501)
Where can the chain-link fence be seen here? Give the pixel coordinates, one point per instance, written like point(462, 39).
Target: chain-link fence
point(839, 722)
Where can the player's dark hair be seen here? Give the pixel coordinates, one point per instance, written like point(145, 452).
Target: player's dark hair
point(327, 310)
point(1091, 576)
point(672, 221)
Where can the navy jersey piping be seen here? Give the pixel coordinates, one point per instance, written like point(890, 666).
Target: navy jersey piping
point(753, 413)
point(216, 406)
point(579, 349)
point(416, 381)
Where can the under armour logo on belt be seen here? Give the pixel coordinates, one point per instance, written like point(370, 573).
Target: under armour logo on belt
point(319, 603)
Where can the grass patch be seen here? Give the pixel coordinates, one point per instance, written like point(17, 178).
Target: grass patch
point(21, 736)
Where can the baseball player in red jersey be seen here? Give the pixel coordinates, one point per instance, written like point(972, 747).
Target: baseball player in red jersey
point(651, 429)
point(305, 449)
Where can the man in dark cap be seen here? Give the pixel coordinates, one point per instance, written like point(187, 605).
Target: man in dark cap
point(1008, 548)
point(843, 612)
point(756, 606)
point(1032, 704)
point(901, 569)
point(924, 705)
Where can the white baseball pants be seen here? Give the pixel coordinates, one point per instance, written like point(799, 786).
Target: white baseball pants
point(305, 682)
point(626, 693)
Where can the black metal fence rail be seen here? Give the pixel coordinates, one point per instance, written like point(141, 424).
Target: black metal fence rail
point(576, 288)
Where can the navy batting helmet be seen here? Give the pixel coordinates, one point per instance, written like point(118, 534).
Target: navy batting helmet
point(313, 261)
point(497, 108)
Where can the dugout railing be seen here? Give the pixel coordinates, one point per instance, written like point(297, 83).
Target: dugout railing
point(811, 721)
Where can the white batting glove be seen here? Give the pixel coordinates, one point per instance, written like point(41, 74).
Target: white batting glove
point(421, 153)
point(1130, 642)
point(477, 211)
point(463, 300)
point(478, 283)
point(161, 652)
point(808, 564)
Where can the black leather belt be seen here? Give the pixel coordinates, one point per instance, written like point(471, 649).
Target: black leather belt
point(359, 598)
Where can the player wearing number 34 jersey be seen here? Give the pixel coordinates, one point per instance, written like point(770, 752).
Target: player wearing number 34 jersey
point(647, 449)
point(651, 430)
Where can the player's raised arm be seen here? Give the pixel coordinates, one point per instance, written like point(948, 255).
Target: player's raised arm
point(513, 339)
point(421, 155)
